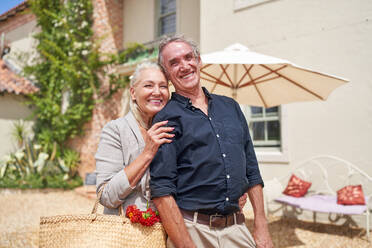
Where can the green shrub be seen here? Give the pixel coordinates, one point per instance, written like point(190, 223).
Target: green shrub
point(35, 181)
point(31, 167)
point(67, 71)
point(19, 132)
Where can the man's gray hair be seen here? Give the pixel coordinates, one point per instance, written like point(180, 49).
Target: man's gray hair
point(176, 38)
point(133, 106)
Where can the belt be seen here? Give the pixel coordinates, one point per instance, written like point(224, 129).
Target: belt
point(214, 220)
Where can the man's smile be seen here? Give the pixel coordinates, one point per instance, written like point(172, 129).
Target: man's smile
point(188, 75)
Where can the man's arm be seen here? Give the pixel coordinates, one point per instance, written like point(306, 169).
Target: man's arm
point(261, 233)
point(164, 174)
point(173, 222)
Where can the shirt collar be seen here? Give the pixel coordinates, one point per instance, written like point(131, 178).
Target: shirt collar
point(186, 100)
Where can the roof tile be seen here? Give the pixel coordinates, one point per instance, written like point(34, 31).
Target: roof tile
point(12, 83)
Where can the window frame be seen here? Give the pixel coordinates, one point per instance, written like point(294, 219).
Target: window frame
point(266, 143)
point(274, 154)
point(159, 16)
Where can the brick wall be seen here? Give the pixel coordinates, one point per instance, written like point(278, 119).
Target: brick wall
point(108, 24)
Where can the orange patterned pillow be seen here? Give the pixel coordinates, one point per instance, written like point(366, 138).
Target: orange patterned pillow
point(296, 187)
point(351, 195)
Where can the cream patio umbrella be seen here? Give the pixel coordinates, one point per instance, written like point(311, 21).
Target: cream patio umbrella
point(259, 80)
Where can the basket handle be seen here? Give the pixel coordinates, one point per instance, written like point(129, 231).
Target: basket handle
point(95, 207)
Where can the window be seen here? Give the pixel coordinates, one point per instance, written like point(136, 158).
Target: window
point(269, 130)
point(166, 17)
point(264, 126)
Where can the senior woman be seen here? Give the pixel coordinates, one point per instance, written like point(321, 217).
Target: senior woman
point(128, 144)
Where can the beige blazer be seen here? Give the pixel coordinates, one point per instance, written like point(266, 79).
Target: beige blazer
point(120, 144)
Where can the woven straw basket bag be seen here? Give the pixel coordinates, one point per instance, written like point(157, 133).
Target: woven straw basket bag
point(98, 230)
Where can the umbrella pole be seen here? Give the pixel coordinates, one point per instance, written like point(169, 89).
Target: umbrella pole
point(234, 85)
point(234, 93)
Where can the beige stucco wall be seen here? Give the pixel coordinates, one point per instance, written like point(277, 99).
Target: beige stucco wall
point(189, 19)
point(21, 32)
point(12, 108)
point(23, 45)
point(21, 38)
point(332, 36)
point(140, 20)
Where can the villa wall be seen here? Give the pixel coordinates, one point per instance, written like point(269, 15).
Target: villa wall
point(13, 23)
point(17, 32)
point(140, 20)
point(12, 108)
point(332, 36)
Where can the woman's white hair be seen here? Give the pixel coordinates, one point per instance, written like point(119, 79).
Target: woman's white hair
point(137, 112)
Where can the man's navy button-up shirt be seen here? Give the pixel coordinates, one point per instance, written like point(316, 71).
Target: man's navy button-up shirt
point(211, 162)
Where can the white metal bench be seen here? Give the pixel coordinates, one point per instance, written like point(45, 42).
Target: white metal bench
point(327, 175)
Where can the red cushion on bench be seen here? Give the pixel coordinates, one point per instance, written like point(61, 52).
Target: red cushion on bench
point(296, 187)
point(351, 195)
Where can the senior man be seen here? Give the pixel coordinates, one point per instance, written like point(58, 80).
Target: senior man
point(197, 180)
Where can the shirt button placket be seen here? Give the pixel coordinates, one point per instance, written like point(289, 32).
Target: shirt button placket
point(224, 156)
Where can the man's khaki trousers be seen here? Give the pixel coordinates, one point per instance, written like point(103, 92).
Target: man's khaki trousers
point(229, 237)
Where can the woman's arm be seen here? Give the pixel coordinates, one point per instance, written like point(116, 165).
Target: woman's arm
point(154, 137)
point(121, 180)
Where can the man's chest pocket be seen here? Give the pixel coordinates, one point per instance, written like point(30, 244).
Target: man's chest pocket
point(233, 132)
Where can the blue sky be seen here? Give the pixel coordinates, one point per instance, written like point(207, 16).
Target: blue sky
point(6, 5)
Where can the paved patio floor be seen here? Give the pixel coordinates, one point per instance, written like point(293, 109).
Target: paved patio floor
point(20, 212)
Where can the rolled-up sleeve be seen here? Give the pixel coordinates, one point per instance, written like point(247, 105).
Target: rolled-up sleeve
point(110, 167)
point(253, 171)
point(163, 168)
